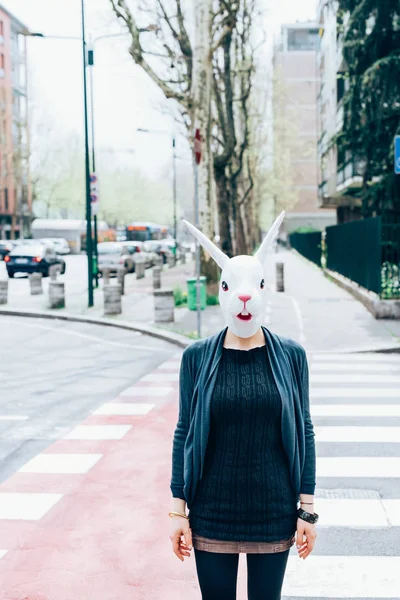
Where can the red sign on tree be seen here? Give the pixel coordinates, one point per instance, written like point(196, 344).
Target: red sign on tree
point(197, 146)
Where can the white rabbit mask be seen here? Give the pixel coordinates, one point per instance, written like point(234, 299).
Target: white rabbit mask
point(242, 292)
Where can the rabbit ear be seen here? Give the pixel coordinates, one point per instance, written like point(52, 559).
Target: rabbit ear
point(220, 258)
point(262, 252)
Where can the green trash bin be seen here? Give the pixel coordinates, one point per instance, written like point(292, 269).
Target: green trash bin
point(192, 298)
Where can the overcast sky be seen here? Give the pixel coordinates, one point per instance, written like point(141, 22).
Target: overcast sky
point(125, 98)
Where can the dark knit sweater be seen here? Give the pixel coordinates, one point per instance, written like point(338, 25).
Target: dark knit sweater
point(245, 493)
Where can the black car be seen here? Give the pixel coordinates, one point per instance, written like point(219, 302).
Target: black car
point(33, 258)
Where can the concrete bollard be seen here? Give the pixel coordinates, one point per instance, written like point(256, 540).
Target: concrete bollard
point(121, 279)
point(183, 257)
point(35, 281)
point(140, 269)
point(156, 278)
point(106, 275)
point(56, 294)
point(171, 260)
point(164, 306)
point(4, 291)
point(280, 279)
point(158, 262)
point(112, 299)
point(53, 272)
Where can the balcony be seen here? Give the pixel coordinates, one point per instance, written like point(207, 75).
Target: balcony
point(350, 177)
point(339, 118)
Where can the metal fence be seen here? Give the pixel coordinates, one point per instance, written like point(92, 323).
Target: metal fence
point(390, 244)
point(308, 244)
point(354, 250)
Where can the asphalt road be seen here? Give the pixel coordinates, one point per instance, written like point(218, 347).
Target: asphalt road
point(53, 374)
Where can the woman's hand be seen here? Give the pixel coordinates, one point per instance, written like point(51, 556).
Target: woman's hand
point(180, 527)
point(308, 531)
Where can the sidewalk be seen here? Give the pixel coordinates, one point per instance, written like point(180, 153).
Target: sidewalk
point(312, 310)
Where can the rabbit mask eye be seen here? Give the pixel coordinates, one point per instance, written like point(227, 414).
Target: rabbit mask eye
point(224, 286)
point(262, 284)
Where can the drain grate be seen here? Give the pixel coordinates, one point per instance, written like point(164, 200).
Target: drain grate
point(347, 494)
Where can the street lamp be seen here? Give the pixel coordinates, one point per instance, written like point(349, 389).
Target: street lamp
point(141, 130)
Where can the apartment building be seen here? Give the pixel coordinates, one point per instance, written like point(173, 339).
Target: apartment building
point(15, 186)
point(296, 82)
point(340, 174)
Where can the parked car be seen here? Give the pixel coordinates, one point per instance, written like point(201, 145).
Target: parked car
point(61, 245)
point(159, 248)
point(32, 258)
point(134, 248)
point(112, 256)
point(5, 248)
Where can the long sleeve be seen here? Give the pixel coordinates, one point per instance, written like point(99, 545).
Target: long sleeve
point(186, 385)
point(308, 480)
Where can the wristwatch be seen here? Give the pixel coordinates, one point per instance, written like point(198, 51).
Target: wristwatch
point(306, 516)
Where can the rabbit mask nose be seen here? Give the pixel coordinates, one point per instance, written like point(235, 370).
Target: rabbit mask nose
point(244, 298)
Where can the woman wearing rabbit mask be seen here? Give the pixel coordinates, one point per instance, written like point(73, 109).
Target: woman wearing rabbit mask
point(243, 453)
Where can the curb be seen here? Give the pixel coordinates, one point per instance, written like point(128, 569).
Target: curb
point(166, 336)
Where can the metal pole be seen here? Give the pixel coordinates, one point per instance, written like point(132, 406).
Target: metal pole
point(174, 189)
point(91, 65)
point(87, 169)
point(197, 217)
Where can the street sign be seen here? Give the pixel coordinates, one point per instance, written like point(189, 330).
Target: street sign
point(94, 193)
point(397, 154)
point(197, 146)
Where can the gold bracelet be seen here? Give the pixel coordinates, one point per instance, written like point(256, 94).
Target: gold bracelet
point(178, 514)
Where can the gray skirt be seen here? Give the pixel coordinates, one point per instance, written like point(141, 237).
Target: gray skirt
point(209, 545)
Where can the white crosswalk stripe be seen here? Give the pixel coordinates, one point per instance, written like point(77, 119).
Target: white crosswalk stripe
point(355, 407)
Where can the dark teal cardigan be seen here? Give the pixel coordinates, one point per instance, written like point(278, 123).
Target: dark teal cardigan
point(197, 378)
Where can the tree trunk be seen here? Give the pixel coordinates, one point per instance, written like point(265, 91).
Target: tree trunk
point(224, 212)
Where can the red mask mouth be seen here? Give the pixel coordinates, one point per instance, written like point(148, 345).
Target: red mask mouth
point(247, 317)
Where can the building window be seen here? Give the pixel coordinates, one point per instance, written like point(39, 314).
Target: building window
point(1, 32)
point(2, 65)
point(6, 207)
point(303, 39)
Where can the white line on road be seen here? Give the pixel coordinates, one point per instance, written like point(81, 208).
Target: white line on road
point(170, 365)
point(360, 513)
point(336, 576)
point(352, 367)
point(358, 466)
point(354, 378)
point(355, 410)
point(160, 377)
point(13, 418)
point(3, 553)
point(26, 506)
point(124, 408)
point(357, 357)
point(370, 392)
point(61, 463)
point(146, 391)
point(347, 434)
point(98, 432)
point(392, 508)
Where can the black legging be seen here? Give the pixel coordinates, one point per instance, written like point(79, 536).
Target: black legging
point(217, 574)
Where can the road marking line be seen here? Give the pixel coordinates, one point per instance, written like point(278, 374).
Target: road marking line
point(360, 357)
point(170, 365)
point(353, 378)
point(355, 392)
point(355, 410)
point(354, 514)
point(2, 553)
point(26, 506)
point(147, 391)
point(342, 577)
point(160, 377)
point(392, 508)
point(364, 367)
point(358, 466)
point(61, 463)
point(357, 434)
point(124, 409)
point(98, 432)
point(13, 418)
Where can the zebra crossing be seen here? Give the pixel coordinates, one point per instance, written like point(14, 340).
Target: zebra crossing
point(355, 408)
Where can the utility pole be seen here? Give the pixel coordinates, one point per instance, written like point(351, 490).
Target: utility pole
point(174, 189)
point(89, 241)
point(95, 234)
